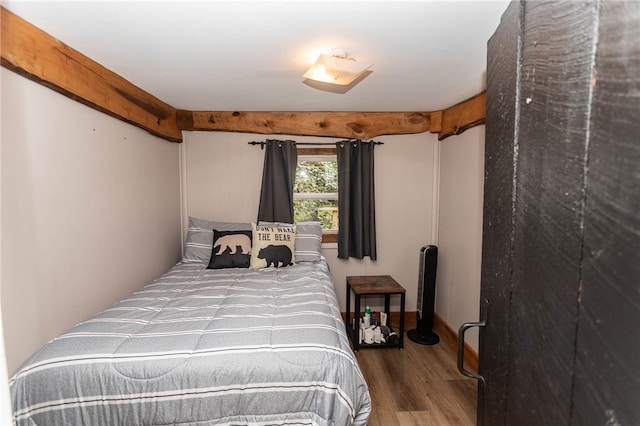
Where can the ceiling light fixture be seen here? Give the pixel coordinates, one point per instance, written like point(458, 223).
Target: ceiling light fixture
point(336, 68)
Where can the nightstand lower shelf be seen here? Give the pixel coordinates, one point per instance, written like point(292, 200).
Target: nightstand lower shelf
point(355, 339)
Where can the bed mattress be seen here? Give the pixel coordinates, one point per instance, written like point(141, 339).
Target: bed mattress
point(200, 346)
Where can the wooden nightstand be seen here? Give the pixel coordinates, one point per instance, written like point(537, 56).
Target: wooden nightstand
point(372, 285)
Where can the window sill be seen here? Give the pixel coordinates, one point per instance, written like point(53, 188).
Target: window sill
point(329, 237)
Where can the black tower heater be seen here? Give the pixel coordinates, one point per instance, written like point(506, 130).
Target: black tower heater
point(423, 332)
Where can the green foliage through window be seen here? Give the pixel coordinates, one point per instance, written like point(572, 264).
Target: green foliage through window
point(316, 191)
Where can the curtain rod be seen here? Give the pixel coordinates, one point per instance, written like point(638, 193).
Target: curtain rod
point(262, 144)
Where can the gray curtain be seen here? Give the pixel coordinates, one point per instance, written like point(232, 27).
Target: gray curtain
point(278, 174)
point(356, 200)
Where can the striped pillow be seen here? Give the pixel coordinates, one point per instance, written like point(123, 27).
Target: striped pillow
point(308, 241)
point(199, 242)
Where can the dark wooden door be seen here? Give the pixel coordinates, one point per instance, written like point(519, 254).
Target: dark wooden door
point(561, 237)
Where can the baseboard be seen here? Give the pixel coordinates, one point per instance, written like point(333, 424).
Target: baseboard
point(442, 329)
point(409, 319)
point(450, 336)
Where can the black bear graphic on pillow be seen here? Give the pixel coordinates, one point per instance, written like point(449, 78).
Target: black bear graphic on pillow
point(230, 249)
point(274, 255)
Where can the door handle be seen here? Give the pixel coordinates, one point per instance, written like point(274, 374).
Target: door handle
point(463, 328)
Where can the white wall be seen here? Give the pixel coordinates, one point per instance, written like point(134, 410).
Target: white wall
point(460, 229)
point(5, 405)
point(90, 212)
point(222, 182)
point(222, 176)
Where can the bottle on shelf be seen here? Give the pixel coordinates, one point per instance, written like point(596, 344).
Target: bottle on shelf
point(367, 316)
point(377, 336)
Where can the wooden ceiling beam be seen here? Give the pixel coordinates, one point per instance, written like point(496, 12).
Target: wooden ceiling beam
point(358, 125)
point(37, 56)
point(463, 116)
point(354, 125)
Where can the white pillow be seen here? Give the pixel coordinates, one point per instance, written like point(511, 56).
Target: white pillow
point(273, 246)
point(308, 247)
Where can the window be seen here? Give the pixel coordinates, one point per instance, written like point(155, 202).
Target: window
point(315, 190)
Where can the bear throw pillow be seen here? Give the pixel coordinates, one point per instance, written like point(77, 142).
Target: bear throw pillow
point(273, 246)
point(231, 249)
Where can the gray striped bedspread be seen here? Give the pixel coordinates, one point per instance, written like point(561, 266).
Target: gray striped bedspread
point(203, 347)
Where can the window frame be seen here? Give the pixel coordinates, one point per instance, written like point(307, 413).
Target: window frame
point(321, 154)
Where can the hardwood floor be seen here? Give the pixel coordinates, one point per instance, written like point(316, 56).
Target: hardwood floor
point(418, 386)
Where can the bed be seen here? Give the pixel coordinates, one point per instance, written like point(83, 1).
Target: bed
point(203, 346)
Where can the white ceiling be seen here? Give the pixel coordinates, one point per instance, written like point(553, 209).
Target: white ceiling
point(250, 55)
